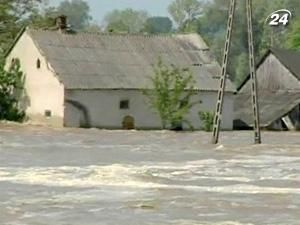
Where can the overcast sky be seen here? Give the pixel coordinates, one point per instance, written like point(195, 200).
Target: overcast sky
point(100, 7)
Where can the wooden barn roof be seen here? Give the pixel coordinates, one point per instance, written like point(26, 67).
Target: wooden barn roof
point(289, 58)
point(273, 105)
point(123, 61)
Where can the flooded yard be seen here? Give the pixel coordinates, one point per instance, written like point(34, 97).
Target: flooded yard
point(95, 177)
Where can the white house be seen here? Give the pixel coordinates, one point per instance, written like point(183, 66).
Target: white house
point(97, 80)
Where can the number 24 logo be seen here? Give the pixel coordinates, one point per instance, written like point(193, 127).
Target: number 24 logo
point(278, 17)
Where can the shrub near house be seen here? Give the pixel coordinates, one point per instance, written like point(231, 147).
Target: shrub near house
point(11, 86)
point(171, 95)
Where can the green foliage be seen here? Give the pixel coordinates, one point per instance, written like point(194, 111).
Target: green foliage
point(13, 13)
point(294, 38)
point(11, 89)
point(242, 69)
point(44, 19)
point(128, 20)
point(185, 11)
point(212, 27)
point(207, 119)
point(158, 25)
point(77, 11)
point(171, 95)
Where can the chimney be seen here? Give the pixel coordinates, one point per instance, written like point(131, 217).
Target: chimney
point(61, 23)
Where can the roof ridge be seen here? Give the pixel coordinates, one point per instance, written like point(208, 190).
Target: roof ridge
point(274, 49)
point(277, 53)
point(105, 33)
point(79, 50)
point(287, 58)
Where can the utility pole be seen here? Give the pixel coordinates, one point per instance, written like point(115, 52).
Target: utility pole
point(220, 101)
point(253, 78)
point(222, 88)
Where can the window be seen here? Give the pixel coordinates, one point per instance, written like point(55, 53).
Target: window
point(124, 104)
point(48, 113)
point(197, 64)
point(38, 63)
point(13, 63)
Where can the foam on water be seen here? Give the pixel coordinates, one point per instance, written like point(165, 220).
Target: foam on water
point(210, 223)
point(147, 176)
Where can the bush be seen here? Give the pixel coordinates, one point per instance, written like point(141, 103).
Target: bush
point(11, 89)
point(171, 94)
point(207, 119)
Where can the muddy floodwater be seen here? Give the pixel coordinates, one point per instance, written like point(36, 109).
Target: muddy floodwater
point(94, 177)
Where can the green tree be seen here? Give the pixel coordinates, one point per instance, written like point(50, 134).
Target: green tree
point(44, 19)
point(171, 94)
point(77, 11)
point(128, 20)
point(11, 88)
point(294, 37)
point(185, 12)
point(212, 26)
point(242, 69)
point(158, 25)
point(13, 13)
point(207, 119)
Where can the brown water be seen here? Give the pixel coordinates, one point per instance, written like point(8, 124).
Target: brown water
point(92, 177)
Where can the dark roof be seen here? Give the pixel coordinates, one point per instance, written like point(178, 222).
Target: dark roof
point(272, 106)
point(289, 58)
point(123, 61)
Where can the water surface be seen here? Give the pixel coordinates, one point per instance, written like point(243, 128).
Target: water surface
point(93, 177)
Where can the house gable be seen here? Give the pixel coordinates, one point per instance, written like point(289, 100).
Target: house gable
point(272, 75)
point(44, 93)
point(278, 92)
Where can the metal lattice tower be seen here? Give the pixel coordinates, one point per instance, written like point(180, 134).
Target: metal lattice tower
point(222, 88)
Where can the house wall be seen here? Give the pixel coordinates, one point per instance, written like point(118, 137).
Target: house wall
point(273, 76)
point(101, 108)
point(43, 91)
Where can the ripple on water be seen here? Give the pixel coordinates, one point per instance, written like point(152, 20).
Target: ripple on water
point(145, 177)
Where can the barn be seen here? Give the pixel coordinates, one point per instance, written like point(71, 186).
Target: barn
point(278, 77)
point(97, 79)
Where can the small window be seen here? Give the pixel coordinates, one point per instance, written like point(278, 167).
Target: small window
point(38, 63)
point(197, 64)
point(13, 63)
point(124, 104)
point(48, 113)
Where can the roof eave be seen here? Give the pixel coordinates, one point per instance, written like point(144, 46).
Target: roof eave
point(13, 44)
